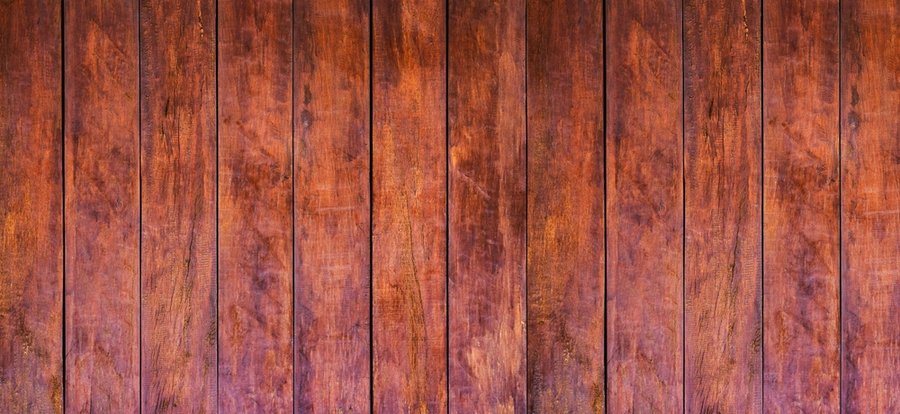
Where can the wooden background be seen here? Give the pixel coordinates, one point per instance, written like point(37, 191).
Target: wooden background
point(450, 205)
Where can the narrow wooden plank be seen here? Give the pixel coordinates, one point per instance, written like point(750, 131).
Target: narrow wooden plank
point(644, 206)
point(870, 207)
point(723, 210)
point(800, 117)
point(30, 207)
point(409, 206)
point(331, 101)
point(487, 206)
point(255, 211)
point(102, 207)
point(178, 178)
point(565, 206)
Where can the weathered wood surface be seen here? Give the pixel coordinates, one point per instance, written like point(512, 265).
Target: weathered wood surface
point(409, 217)
point(870, 139)
point(178, 217)
point(801, 246)
point(31, 372)
point(102, 207)
point(723, 250)
point(331, 276)
point(487, 206)
point(644, 206)
point(255, 206)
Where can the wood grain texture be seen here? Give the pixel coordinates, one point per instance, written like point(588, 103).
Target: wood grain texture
point(102, 207)
point(255, 206)
point(644, 206)
point(30, 207)
point(487, 206)
point(723, 251)
point(409, 206)
point(565, 206)
point(331, 101)
point(800, 117)
point(870, 121)
point(178, 218)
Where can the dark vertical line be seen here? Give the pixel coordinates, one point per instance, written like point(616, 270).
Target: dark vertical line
point(840, 207)
point(605, 222)
point(140, 152)
point(62, 136)
point(683, 219)
point(216, 87)
point(762, 206)
point(293, 219)
point(447, 193)
point(525, 299)
point(371, 221)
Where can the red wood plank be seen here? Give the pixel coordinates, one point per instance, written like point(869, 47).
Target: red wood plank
point(487, 206)
point(102, 207)
point(30, 207)
point(800, 82)
point(255, 211)
point(723, 251)
point(644, 206)
point(565, 206)
point(870, 104)
point(178, 179)
point(409, 206)
point(331, 101)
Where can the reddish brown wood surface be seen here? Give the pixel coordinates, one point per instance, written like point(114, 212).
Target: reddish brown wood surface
point(870, 122)
point(255, 211)
point(644, 206)
point(565, 206)
point(487, 206)
point(800, 118)
point(331, 293)
point(178, 217)
point(102, 207)
point(31, 372)
point(409, 191)
point(723, 291)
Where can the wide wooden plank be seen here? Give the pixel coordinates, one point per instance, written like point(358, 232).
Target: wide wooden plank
point(102, 207)
point(178, 216)
point(800, 130)
point(644, 206)
point(255, 206)
point(723, 251)
point(331, 104)
point(409, 190)
point(487, 205)
point(31, 370)
point(870, 142)
point(565, 206)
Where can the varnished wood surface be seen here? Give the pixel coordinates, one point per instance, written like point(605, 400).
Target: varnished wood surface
point(178, 201)
point(102, 207)
point(801, 206)
point(487, 205)
point(870, 206)
point(449, 206)
point(723, 250)
point(31, 269)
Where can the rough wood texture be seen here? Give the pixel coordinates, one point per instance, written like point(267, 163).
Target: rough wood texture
point(644, 206)
point(487, 206)
point(102, 207)
point(723, 251)
point(30, 207)
point(178, 219)
point(255, 211)
point(800, 119)
point(409, 202)
point(565, 206)
point(871, 205)
point(331, 101)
